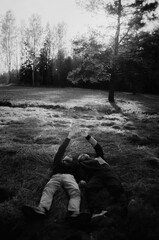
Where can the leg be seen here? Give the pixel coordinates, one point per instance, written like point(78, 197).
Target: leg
point(84, 204)
point(71, 186)
point(45, 201)
point(93, 188)
point(49, 191)
point(115, 188)
point(80, 219)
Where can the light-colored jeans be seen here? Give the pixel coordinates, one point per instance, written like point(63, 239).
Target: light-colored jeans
point(69, 183)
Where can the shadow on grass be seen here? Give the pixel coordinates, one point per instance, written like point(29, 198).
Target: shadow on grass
point(142, 133)
point(117, 108)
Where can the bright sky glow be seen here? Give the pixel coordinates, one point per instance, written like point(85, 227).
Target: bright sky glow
point(77, 20)
point(53, 11)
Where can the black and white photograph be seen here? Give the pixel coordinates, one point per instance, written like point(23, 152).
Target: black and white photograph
point(79, 120)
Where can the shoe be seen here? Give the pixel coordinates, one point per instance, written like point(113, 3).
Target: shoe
point(133, 207)
point(102, 213)
point(33, 212)
point(96, 218)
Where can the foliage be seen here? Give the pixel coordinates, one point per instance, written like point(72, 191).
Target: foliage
point(26, 72)
point(95, 62)
point(138, 61)
point(131, 17)
point(46, 57)
point(130, 58)
point(44, 64)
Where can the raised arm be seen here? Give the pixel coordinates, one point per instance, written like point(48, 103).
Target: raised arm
point(97, 147)
point(61, 151)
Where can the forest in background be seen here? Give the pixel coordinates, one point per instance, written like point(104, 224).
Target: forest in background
point(38, 56)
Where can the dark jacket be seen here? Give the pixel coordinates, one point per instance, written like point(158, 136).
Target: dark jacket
point(92, 165)
point(83, 170)
point(80, 170)
point(73, 168)
point(100, 173)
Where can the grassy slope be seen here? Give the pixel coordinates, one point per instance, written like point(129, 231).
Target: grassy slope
point(33, 125)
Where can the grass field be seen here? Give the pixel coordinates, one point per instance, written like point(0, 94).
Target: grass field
point(34, 122)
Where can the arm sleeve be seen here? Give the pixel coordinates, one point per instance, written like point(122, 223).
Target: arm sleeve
point(60, 153)
point(97, 147)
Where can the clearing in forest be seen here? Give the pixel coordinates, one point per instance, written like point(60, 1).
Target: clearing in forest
point(34, 122)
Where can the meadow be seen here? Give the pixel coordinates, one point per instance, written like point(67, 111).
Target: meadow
point(33, 124)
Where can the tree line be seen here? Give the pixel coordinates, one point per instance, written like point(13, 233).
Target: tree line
point(132, 56)
point(38, 56)
point(32, 54)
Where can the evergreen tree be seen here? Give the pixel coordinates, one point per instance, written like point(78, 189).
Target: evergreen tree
point(128, 15)
point(94, 65)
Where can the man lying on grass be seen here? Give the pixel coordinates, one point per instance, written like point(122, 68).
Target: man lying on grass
point(65, 175)
point(101, 176)
point(95, 173)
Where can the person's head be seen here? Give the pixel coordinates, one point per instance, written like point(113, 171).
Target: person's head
point(82, 157)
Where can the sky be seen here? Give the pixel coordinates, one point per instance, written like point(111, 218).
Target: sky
point(77, 19)
point(53, 11)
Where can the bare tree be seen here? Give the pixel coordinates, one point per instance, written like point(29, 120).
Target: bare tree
point(54, 41)
point(8, 40)
point(33, 40)
point(60, 33)
point(115, 53)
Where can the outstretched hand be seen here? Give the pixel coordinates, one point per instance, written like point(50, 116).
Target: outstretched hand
point(73, 130)
point(84, 133)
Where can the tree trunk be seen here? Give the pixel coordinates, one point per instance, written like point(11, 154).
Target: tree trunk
point(52, 72)
point(9, 73)
point(116, 47)
point(33, 75)
point(111, 87)
point(33, 70)
point(59, 77)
